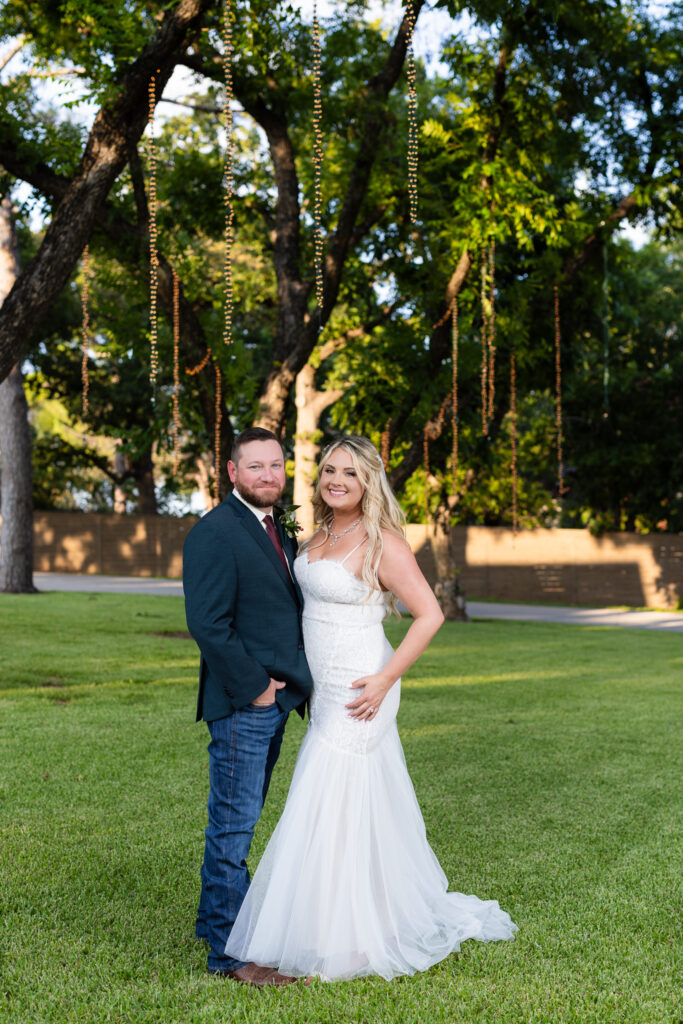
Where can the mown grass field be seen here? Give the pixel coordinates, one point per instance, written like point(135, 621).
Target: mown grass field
point(544, 758)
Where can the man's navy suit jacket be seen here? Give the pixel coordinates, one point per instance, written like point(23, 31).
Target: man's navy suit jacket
point(244, 611)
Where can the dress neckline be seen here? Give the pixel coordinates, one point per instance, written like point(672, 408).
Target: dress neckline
point(340, 563)
point(334, 561)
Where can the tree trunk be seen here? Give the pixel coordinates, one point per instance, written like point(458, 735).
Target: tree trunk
point(16, 487)
point(448, 591)
point(143, 474)
point(306, 448)
point(310, 405)
point(202, 476)
point(119, 492)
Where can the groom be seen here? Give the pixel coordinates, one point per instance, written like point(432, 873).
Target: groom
point(243, 608)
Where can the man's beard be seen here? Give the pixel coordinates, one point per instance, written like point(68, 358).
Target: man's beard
point(258, 498)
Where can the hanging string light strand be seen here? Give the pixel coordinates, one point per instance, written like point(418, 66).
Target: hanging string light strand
point(176, 372)
point(194, 370)
point(432, 432)
point(492, 329)
point(385, 445)
point(513, 436)
point(228, 171)
point(454, 407)
point(412, 116)
point(558, 394)
point(153, 253)
point(317, 159)
point(605, 330)
point(484, 345)
point(218, 412)
point(85, 306)
point(425, 453)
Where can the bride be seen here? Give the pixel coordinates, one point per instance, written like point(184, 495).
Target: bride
point(348, 885)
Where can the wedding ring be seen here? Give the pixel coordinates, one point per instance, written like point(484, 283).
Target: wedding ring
point(371, 710)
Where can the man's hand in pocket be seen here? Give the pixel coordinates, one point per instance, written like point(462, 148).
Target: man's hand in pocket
point(268, 696)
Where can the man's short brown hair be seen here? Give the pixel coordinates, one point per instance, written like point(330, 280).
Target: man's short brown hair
point(251, 434)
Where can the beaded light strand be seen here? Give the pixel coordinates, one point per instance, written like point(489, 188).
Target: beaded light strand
point(153, 254)
point(492, 328)
point(317, 159)
point(432, 432)
point(227, 172)
point(484, 347)
point(558, 394)
point(176, 372)
point(412, 115)
point(217, 434)
point(385, 445)
point(425, 453)
point(194, 370)
point(454, 405)
point(85, 305)
point(513, 436)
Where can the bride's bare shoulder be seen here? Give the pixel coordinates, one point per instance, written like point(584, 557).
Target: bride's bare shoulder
point(395, 546)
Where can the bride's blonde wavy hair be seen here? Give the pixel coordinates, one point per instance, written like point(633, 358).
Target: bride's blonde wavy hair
point(379, 508)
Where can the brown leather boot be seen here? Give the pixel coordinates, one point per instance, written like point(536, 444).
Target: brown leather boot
point(259, 977)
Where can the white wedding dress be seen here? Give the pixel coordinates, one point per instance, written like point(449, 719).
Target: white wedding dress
point(348, 885)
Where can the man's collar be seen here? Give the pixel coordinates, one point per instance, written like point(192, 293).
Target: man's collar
point(260, 513)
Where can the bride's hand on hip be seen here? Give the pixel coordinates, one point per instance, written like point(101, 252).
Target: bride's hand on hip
point(375, 688)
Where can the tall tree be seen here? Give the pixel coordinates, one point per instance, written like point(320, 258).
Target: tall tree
point(16, 491)
point(527, 143)
point(118, 125)
point(281, 112)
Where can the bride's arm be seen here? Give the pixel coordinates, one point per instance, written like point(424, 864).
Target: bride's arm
point(400, 573)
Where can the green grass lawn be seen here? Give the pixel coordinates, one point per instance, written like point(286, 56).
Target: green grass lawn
point(544, 759)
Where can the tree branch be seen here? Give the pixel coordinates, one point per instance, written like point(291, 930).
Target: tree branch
point(132, 241)
point(297, 331)
point(626, 207)
point(301, 341)
point(324, 399)
point(117, 127)
point(372, 129)
point(199, 107)
point(11, 51)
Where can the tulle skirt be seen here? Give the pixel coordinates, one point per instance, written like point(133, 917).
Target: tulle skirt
point(348, 885)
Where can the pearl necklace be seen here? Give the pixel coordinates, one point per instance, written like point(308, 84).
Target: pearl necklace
point(338, 536)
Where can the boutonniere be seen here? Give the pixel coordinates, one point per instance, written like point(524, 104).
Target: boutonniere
point(288, 519)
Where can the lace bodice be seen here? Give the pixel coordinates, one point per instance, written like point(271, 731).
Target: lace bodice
point(344, 641)
point(332, 593)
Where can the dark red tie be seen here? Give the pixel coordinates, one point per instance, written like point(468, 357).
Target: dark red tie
point(272, 533)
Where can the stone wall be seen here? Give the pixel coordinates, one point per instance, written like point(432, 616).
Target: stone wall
point(560, 566)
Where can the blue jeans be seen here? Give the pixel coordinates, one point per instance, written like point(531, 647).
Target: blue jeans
point(242, 753)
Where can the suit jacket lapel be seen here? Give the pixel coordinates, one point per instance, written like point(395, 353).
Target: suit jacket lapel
point(254, 528)
point(290, 547)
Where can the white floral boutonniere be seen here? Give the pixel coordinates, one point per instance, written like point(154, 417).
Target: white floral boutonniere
point(288, 519)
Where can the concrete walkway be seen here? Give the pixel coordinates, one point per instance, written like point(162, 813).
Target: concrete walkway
point(672, 622)
point(92, 584)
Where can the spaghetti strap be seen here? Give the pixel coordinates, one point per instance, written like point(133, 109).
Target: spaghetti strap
point(348, 555)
